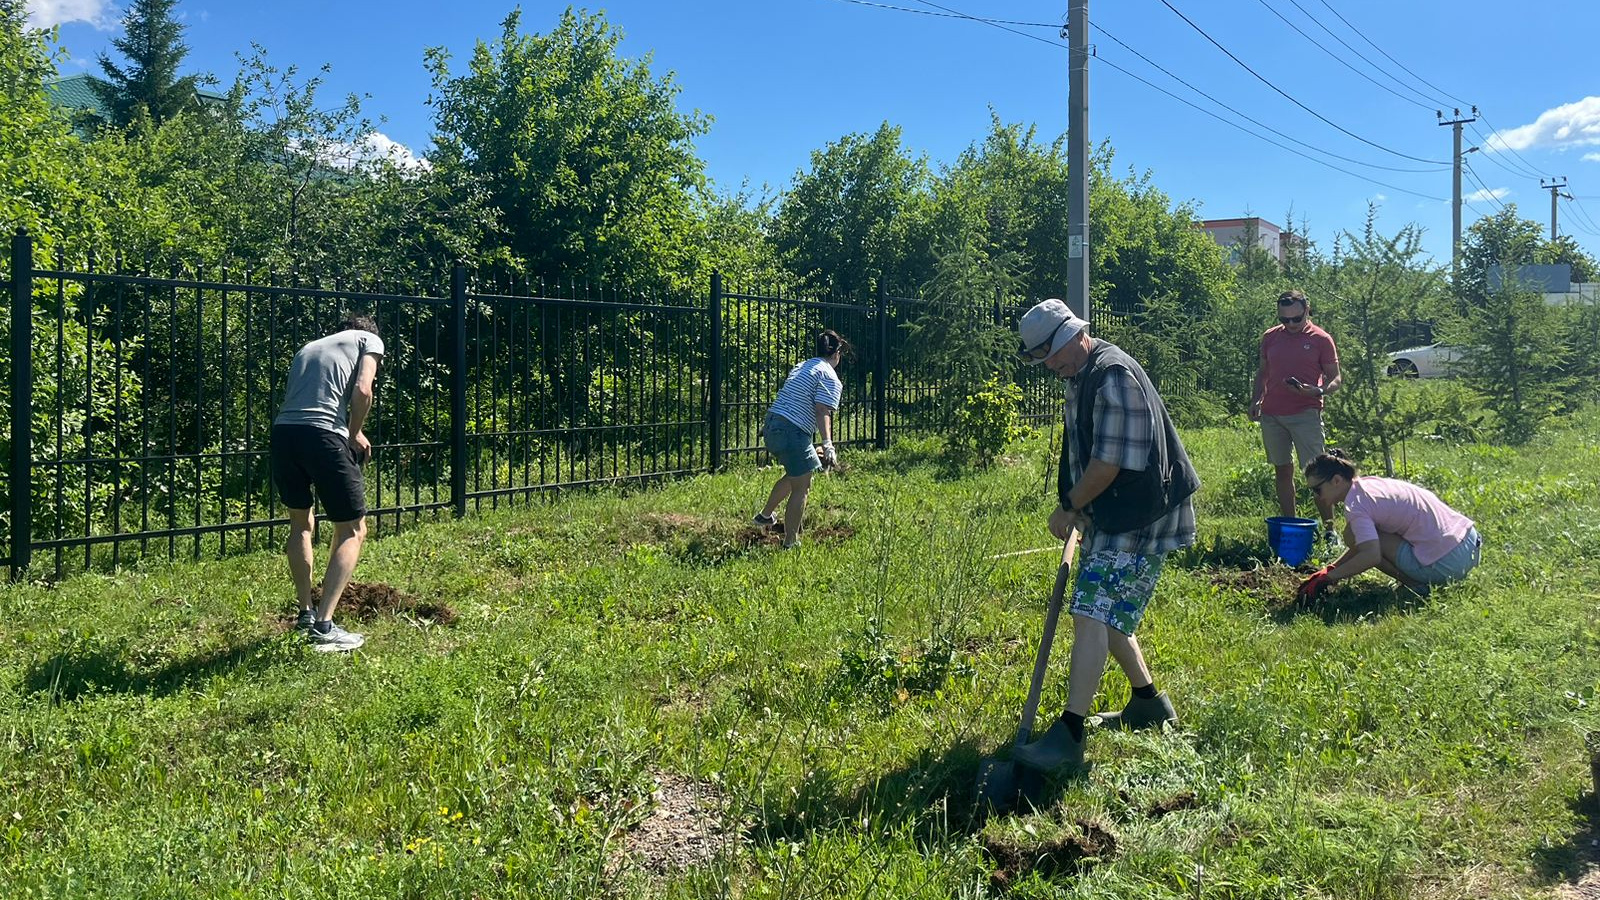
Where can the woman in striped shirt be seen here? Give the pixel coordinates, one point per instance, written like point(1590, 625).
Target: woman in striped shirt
point(806, 404)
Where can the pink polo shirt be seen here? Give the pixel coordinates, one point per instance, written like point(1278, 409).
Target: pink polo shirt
point(1412, 512)
point(1298, 353)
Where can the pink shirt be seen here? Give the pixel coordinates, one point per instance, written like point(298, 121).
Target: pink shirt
point(1298, 353)
point(1400, 507)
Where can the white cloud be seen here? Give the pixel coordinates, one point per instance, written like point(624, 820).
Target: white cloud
point(1379, 198)
point(1591, 157)
point(1569, 125)
point(1482, 195)
point(371, 148)
point(49, 13)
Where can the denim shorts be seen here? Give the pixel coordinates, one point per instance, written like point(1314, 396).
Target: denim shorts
point(1453, 566)
point(1114, 587)
point(791, 446)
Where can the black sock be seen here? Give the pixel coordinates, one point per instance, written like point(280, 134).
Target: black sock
point(1148, 692)
point(323, 627)
point(1074, 724)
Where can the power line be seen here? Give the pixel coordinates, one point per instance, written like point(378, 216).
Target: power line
point(994, 23)
point(1391, 58)
point(1352, 50)
point(1155, 87)
point(1510, 148)
point(948, 15)
point(1155, 65)
point(1487, 193)
point(1581, 216)
point(1509, 166)
point(1285, 94)
point(1232, 124)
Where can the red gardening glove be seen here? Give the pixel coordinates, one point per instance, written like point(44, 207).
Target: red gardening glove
point(1316, 584)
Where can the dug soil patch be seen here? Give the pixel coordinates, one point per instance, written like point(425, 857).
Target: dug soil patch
point(711, 541)
point(1067, 855)
point(365, 601)
point(688, 825)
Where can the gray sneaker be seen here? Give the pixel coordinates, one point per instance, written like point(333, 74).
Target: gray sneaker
point(305, 620)
point(334, 640)
point(763, 520)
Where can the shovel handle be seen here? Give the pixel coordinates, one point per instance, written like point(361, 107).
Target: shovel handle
point(1069, 551)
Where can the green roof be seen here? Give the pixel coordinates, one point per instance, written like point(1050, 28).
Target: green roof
point(76, 92)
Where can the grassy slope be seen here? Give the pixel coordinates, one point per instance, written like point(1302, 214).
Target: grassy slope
point(160, 736)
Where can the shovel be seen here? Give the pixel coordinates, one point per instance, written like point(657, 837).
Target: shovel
point(998, 784)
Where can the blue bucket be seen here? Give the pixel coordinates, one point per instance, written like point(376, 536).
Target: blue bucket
point(1291, 538)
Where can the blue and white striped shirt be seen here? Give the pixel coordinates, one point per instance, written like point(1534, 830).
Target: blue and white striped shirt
point(812, 381)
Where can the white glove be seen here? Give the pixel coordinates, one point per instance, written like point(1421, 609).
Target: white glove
point(830, 456)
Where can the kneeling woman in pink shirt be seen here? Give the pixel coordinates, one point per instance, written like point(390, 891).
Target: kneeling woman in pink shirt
point(1404, 530)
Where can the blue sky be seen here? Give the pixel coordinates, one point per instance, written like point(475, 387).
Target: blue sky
point(784, 77)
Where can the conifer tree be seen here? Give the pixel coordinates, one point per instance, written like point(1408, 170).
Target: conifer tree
point(147, 83)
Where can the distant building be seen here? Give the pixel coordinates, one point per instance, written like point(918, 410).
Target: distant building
point(1553, 281)
point(1234, 234)
point(75, 94)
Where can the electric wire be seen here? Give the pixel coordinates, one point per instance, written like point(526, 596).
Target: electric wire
point(1157, 66)
point(1487, 193)
point(1513, 150)
point(1507, 164)
point(1413, 101)
point(1397, 62)
point(1577, 204)
point(1155, 87)
point(1585, 223)
point(1285, 94)
point(947, 15)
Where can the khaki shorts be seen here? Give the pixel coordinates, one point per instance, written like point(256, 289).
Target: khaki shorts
point(1302, 431)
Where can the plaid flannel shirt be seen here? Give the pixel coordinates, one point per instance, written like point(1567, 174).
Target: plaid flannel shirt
point(1124, 429)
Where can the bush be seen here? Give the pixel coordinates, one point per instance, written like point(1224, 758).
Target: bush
point(987, 421)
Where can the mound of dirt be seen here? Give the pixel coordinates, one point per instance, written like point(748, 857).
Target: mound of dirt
point(1185, 800)
point(365, 601)
point(688, 825)
point(1067, 855)
point(1273, 585)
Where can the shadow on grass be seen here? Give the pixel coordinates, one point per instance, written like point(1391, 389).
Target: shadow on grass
point(1351, 602)
point(937, 789)
point(77, 671)
point(1576, 861)
point(1223, 553)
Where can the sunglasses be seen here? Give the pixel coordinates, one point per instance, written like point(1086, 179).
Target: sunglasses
point(1292, 320)
point(1042, 349)
point(1316, 489)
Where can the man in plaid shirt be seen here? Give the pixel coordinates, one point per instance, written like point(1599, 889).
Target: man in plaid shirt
point(1127, 484)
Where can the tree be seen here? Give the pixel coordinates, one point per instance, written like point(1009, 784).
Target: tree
point(1515, 356)
point(585, 159)
point(148, 84)
point(843, 226)
point(1377, 287)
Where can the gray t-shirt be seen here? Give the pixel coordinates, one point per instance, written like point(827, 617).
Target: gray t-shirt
point(321, 379)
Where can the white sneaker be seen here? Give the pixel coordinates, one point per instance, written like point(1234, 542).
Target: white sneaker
point(763, 521)
point(334, 640)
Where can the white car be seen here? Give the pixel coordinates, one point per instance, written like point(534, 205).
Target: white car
point(1432, 361)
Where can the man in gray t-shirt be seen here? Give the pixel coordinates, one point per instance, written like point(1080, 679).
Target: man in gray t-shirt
point(318, 449)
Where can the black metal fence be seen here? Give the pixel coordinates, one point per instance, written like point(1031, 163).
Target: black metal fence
point(141, 401)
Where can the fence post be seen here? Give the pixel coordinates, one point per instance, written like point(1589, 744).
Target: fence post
point(714, 412)
point(458, 389)
point(880, 381)
point(21, 402)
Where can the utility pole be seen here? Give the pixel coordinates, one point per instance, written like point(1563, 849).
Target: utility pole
point(1078, 157)
point(1455, 183)
point(1554, 187)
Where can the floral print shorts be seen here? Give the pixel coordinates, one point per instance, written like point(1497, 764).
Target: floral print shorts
point(1115, 586)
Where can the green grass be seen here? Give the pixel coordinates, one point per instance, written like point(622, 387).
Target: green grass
point(160, 736)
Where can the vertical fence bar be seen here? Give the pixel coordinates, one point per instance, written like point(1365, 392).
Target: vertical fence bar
point(21, 402)
point(458, 389)
point(880, 381)
point(715, 386)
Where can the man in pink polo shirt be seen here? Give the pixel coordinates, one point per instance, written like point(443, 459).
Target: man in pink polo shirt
point(1299, 366)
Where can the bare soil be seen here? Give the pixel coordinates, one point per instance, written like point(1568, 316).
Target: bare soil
point(1185, 800)
point(1067, 855)
point(687, 825)
point(365, 601)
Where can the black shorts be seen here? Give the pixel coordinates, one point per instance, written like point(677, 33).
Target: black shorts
point(304, 457)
